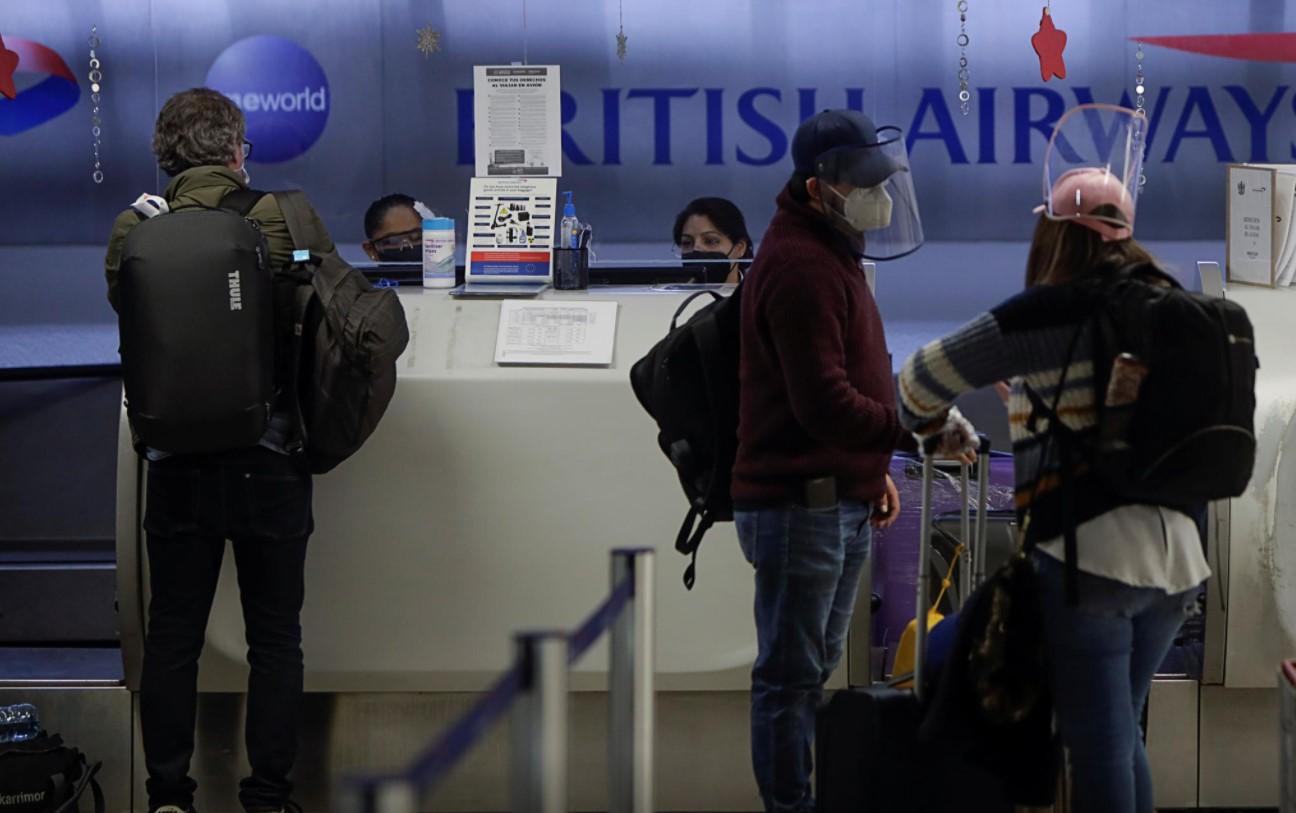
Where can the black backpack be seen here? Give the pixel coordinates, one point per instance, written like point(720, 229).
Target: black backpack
point(42, 775)
point(688, 382)
point(1189, 437)
point(348, 335)
point(196, 323)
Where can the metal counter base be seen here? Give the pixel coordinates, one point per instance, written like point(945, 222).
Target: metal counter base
point(1212, 746)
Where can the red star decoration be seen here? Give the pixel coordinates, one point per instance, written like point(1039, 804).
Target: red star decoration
point(1049, 42)
point(8, 64)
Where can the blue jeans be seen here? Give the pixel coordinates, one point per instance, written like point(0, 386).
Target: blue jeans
point(1102, 656)
point(808, 564)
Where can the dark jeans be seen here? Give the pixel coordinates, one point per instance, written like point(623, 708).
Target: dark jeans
point(808, 564)
point(1103, 654)
point(261, 501)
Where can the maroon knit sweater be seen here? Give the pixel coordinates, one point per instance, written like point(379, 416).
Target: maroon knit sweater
point(816, 395)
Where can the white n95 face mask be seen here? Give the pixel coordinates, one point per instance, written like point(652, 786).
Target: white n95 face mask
point(865, 209)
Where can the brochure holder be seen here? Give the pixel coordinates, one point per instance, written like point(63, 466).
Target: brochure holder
point(1260, 242)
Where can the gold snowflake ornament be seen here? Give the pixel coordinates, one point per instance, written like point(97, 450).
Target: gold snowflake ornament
point(621, 45)
point(429, 40)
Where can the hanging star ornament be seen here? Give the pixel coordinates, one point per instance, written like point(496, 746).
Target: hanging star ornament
point(8, 64)
point(429, 40)
point(621, 39)
point(1049, 42)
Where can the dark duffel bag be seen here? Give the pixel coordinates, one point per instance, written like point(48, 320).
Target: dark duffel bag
point(43, 775)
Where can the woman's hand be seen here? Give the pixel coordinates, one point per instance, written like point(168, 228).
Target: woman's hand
point(886, 509)
point(954, 439)
point(1004, 389)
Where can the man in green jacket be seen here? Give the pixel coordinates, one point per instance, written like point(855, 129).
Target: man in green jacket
point(258, 498)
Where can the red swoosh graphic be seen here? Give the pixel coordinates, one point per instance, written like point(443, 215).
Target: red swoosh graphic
point(1252, 47)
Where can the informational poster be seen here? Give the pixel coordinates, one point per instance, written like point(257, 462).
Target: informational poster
point(517, 112)
point(1250, 225)
point(557, 332)
point(511, 229)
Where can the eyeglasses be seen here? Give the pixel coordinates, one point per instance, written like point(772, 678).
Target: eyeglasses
point(407, 239)
point(247, 148)
point(707, 241)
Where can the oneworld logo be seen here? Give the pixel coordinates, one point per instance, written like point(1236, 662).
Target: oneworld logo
point(45, 87)
point(282, 91)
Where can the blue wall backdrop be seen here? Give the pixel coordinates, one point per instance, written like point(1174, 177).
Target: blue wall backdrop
point(704, 103)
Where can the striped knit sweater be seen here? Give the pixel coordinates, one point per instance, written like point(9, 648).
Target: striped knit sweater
point(1025, 339)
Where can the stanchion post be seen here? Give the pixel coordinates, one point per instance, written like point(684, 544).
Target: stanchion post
point(397, 796)
point(539, 725)
point(631, 706)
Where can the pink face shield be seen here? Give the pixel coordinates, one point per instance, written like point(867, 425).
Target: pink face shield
point(1094, 159)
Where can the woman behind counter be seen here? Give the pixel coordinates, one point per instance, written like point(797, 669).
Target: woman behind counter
point(713, 229)
point(393, 227)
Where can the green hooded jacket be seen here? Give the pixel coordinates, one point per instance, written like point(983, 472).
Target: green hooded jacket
point(205, 187)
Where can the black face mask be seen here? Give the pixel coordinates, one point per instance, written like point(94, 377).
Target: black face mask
point(714, 266)
point(408, 254)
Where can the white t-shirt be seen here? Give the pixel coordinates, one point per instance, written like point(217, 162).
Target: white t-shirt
point(1139, 545)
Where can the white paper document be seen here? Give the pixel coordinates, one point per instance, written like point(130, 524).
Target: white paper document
point(559, 332)
point(1250, 226)
point(517, 114)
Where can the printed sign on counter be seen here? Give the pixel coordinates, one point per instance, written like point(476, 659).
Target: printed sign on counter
point(560, 332)
point(511, 229)
point(517, 112)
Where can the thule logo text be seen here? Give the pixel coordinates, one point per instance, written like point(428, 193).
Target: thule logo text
point(235, 292)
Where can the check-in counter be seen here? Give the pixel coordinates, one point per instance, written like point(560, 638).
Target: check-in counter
point(486, 502)
point(1255, 559)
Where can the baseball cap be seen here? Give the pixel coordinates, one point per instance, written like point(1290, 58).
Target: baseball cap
point(840, 145)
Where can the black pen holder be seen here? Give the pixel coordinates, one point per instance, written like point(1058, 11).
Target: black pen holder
point(571, 269)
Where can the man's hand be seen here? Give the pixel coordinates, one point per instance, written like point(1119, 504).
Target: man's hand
point(887, 507)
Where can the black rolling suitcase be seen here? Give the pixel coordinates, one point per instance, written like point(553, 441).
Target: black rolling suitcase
point(868, 757)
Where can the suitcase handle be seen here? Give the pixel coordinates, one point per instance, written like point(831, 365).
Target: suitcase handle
point(924, 544)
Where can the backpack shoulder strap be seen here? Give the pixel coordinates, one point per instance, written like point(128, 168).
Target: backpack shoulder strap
point(303, 223)
point(87, 779)
point(241, 201)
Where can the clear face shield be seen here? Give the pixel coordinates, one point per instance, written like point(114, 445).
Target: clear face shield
point(882, 208)
point(1092, 168)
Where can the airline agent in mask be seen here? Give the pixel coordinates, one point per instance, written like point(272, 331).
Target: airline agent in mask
point(711, 236)
point(394, 229)
point(817, 424)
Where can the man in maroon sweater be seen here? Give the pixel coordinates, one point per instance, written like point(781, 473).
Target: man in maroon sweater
point(817, 424)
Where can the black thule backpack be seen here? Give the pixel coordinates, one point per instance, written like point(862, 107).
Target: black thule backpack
point(348, 335)
point(196, 322)
point(688, 382)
